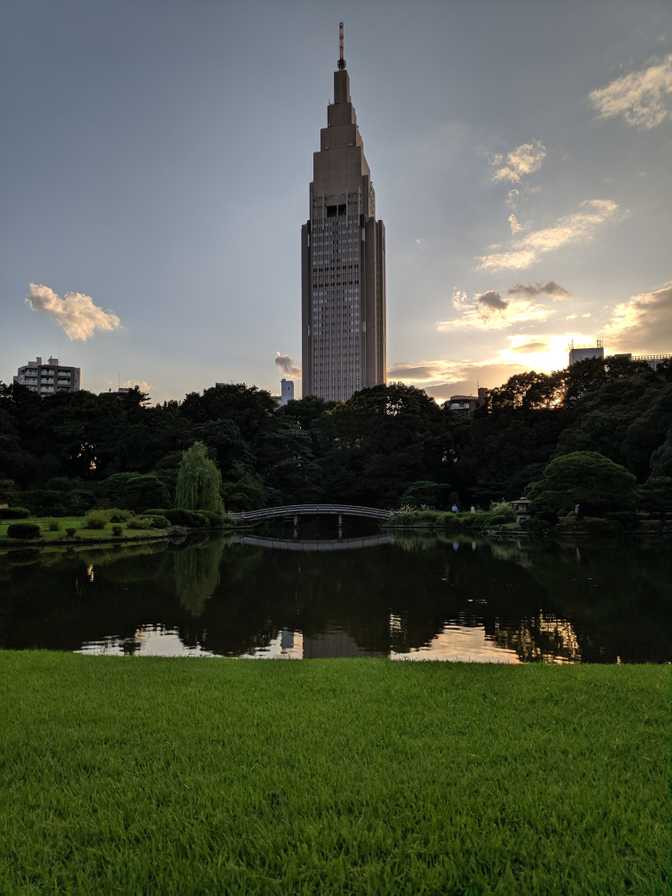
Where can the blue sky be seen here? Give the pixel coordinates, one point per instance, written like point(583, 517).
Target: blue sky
point(156, 159)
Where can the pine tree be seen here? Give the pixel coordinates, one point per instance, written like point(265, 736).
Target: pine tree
point(198, 481)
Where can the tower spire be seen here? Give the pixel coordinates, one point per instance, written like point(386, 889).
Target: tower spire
point(341, 58)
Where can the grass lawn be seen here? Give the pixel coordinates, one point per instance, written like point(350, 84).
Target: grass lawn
point(188, 776)
point(74, 522)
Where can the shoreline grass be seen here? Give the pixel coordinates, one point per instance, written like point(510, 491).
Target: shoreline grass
point(126, 775)
point(58, 534)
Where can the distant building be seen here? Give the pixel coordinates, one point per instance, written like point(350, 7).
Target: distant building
point(49, 378)
point(286, 391)
point(123, 391)
point(467, 404)
point(597, 351)
point(583, 354)
point(652, 360)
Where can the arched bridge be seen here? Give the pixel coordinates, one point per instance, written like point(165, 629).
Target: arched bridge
point(297, 510)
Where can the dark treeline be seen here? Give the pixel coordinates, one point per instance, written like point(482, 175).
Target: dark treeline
point(386, 446)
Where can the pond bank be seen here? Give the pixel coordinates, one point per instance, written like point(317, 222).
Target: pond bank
point(358, 776)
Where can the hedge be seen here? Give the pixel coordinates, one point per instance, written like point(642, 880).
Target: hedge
point(23, 530)
point(14, 513)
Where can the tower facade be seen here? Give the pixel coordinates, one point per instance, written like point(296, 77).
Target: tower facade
point(342, 261)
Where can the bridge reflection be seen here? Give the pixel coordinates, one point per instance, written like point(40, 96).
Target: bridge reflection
point(317, 544)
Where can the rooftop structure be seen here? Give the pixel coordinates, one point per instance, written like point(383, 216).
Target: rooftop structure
point(583, 354)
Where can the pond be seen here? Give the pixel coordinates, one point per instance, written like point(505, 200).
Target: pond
point(367, 594)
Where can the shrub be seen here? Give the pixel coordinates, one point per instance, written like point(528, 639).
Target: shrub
point(140, 522)
point(117, 515)
point(54, 525)
point(214, 519)
point(192, 518)
point(71, 532)
point(14, 513)
point(117, 531)
point(158, 521)
point(96, 520)
point(23, 530)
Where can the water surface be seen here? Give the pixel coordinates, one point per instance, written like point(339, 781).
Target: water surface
point(365, 594)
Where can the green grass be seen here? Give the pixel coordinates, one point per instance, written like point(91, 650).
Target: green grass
point(154, 776)
point(74, 522)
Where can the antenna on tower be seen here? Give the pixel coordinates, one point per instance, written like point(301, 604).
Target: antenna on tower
point(341, 58)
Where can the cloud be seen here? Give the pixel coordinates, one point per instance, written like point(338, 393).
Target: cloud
point(514, 223)
point(521, 161)
point(493, 300)
point(642, 98)
point(527, 348)
point(287, 365)
point(643, 323)
point(76, 313)
point(489, 311)
point(543, 352)
point(441, 379)
point(142, 385)
point(524, 252)
point(551, 288)
point(512, 198)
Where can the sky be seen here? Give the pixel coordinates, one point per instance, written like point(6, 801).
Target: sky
point(156, 157)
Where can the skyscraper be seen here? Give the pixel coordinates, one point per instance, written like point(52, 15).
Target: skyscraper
point(342, 261)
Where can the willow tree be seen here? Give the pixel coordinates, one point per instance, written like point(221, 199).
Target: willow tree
point(198, 481)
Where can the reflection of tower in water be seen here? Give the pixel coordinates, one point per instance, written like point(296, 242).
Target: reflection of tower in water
point(334, 642)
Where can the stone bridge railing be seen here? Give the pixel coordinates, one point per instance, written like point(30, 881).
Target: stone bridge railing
point(297, 510)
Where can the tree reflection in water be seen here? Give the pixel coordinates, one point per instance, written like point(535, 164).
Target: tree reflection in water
point(417, 597)
point(197, 574)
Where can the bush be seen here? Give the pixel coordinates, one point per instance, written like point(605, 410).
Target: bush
point(14, 513)
point(54, 525)
point(23, 530)
point(117, 531)
point(71, 532)
point(117, 515)
point(158, 521)
point(194, 519)
point(214, 519)
point(96, 520)
point(140, 522)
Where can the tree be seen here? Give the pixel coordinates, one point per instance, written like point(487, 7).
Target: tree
point(656, 494)
point(134, 491)
point(198, 481)
point(591, 480)
point(425, 494)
